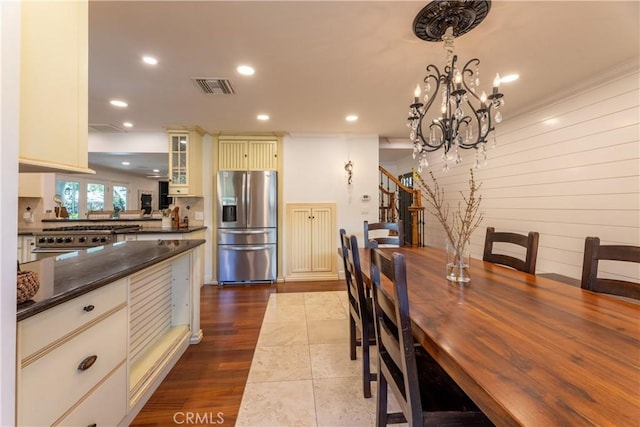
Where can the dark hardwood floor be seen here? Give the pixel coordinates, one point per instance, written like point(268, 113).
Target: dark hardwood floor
point(208, 381)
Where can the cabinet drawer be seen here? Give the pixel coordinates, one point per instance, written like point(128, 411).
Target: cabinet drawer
point(105, 406)
point(53, 383)
point(178, 190)
point(45, 328)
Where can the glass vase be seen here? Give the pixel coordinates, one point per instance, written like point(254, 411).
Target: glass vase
point(458, 262)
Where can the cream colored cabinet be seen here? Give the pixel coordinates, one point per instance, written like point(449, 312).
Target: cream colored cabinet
point(68, 354)
point(25, 246)
point(54, 86)
point(311, 241)
point(248, 154)
point(30, 185)
point(185, 162)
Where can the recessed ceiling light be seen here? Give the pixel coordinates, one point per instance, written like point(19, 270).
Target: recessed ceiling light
point(118, 103)
point(149, 60)
point(126, 163)
point(127, 124)
point(246, 70)
point(156, 170)
point(351, 118)
point(509, 78)
point(263, 117)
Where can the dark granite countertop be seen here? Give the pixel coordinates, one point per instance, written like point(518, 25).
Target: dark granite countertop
point(28, 231)
point(78, 220)
point(67, 276)
point(153, 230)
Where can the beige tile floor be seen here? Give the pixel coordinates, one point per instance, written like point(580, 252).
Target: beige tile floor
point(301, 374)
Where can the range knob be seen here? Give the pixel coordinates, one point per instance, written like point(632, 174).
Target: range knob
point(68, 239)
point(82, 239)
point(59, 240)
point(94, 239)
point(42, 240)
point(103, 239)
point(50, 240)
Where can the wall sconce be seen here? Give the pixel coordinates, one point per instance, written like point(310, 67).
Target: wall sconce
point(349, 168)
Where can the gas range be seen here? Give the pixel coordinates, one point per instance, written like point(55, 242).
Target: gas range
point(79, 236)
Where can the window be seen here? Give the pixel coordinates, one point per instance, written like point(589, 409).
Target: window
point(69, 192)
point(95, 197)
point(119, 199)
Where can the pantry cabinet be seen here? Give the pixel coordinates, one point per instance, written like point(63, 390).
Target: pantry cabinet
point(185, 162)
point(248, 153)
point(54, 86)
point(311, 241)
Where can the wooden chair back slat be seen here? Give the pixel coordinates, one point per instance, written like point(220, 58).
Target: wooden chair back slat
point(595, 252)
point(529, 242)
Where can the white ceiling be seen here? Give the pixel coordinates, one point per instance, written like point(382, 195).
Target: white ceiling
point(318, 61)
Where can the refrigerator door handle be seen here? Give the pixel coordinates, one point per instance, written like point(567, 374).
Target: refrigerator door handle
point(246, 248)
point(243, 231)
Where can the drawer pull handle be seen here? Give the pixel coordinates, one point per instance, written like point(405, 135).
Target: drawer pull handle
point(88, 308)
point(93, 425)
point(87, 363)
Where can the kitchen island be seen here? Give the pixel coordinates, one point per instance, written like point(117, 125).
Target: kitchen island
point(106, 326)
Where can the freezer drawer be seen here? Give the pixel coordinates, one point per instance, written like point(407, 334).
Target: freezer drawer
point(245, 236)
point(246, 263)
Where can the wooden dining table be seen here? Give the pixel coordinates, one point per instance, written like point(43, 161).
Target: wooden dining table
point(528, 350)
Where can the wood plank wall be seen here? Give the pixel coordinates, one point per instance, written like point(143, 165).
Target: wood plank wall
point(569, 170)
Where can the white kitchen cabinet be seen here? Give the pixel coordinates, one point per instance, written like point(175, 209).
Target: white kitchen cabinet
point(248, 153)
point(54, 86)
point(53, 346)
point(185, 162)
point(136, 327)
point(311, 241)
point(26, 244)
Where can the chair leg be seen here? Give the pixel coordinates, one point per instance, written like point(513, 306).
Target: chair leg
point(366, 367)
point(352, 338)
point(381, 401)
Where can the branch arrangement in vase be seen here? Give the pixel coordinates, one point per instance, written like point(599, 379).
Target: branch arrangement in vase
point(465, 218)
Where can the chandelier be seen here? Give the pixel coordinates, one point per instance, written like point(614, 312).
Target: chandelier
point(467, 114)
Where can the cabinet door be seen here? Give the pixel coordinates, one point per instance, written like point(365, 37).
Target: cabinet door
point(30, 185)
point(262, 155)
point(28, 243)
point(54, 86)
point(322, 229)
point(178, 162)
point(299, 230)
point(232, 155)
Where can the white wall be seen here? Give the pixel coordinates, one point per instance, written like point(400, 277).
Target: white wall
point(9, 127)
point(313, 171)
point(568, 171)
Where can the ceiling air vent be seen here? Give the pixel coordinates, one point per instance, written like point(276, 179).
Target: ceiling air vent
point(103, 128)
point(215, 86)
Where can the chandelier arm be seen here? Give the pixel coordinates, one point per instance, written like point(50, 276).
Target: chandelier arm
point(431, 146)
point(467, 71)
point(435, 76)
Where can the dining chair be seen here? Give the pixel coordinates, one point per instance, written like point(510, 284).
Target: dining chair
point(595, 252)
point(529, 242)
point(394, 238)
point(425, 392)
point(360, 310)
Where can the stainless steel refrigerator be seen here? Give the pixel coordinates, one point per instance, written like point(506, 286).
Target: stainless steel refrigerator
point(246, 226)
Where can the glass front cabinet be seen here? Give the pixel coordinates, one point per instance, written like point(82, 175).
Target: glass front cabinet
point(185, 162)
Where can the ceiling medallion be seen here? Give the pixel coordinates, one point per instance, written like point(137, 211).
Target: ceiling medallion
point(466, 118)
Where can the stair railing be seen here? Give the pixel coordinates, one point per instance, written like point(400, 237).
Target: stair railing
point(397, 201)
